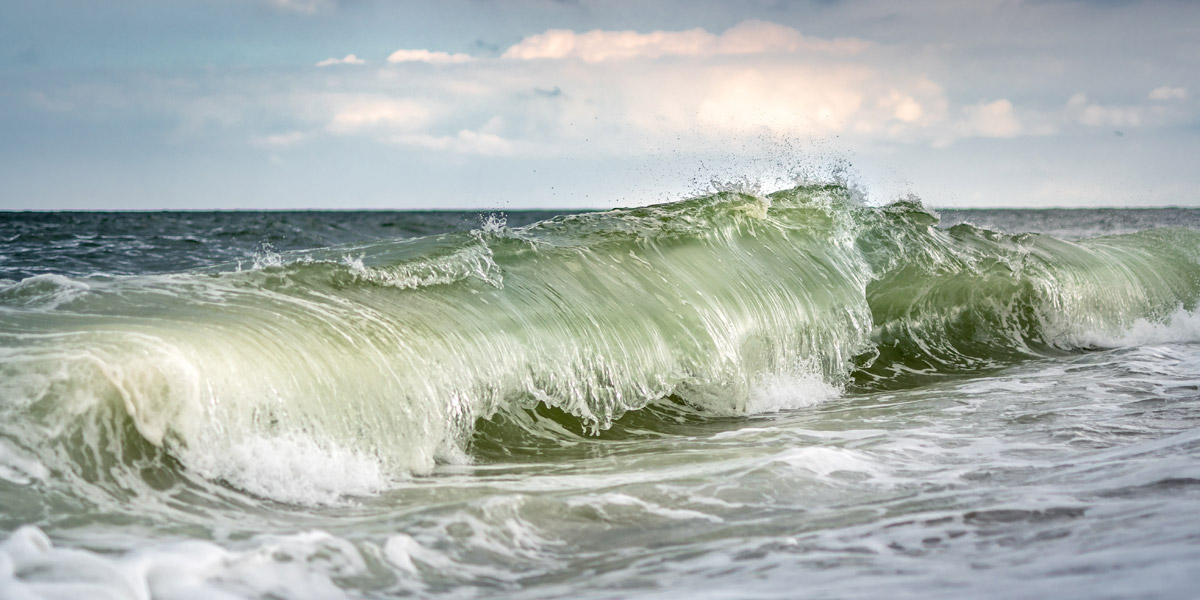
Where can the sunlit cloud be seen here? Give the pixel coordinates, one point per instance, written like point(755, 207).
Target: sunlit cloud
point(600, 83)
point(749, 37)
point(362, 114)
point(427, 56)
point(994, 119)
point(349, 59)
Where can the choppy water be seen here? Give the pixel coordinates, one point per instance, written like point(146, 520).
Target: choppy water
point(727, 397)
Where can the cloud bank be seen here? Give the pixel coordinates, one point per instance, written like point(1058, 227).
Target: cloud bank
point(931, 88)
point(749, 37)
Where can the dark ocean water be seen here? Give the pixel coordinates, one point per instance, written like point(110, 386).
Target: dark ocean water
point(726, 397)
point(129, 243)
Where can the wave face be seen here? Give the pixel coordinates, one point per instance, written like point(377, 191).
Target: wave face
point(328, 372)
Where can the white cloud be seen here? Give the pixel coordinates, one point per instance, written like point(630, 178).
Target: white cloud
point(749, 87)
point(903, 107)
point(307, 7)
point(925, 73)
point(426, 56)
point(281, 139)
point(994, 119)
point(624, 107)
point(598, 45)
point(366, 113)
point(1093, 114)
point(907, 109)
point(749, 37)
point(465, 142)
point(783, 100)
point(487, 140)
point(1168, 93)
point(636, 105)
point(350, 59)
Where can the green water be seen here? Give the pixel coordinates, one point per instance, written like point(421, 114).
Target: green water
point(731, 396)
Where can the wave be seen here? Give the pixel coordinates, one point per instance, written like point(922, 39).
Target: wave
point(335, 370)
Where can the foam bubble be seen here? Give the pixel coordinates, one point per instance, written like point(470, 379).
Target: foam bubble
point(16, 467)
point(778, 392)
point(405, 552)
point(824, 461)
point(493, 222)
point(291, 468)
point(303, 565)
point(1180, 326)
point(603, 501)
point(266, 257)
point(474, 261)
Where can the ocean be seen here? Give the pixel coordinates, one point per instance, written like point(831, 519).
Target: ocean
point(791, 395)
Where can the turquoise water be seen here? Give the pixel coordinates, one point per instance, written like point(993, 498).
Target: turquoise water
point(731, 396)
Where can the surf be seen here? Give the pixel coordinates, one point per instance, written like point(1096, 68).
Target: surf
point(314, 374)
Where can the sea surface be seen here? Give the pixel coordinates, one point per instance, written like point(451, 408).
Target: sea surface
point(731, 396)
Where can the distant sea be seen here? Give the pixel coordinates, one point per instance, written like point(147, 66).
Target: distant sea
point(730, 396)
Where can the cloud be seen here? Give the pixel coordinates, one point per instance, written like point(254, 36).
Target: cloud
point(783, 100)
point(465, 141)
point(904, 108)
point(486, 140)
point(1097, 115)
point(426, 56)
point(639, 104)
point(350, 59)
point(281, 139)
point(994, 119)
point(1168, 93)
point(749, 37)
point(358, 114)
point(621, 106)
point(756, 84)
point(307, 7)
point(919, 75)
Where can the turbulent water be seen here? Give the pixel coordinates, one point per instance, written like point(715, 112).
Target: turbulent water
point(731, 396)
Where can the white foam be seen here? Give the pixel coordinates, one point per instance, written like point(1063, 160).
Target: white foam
point(410, 557)
point(778, 392)
point(823, 461)
point(291, 468)
point(471, 262)
point(405, 552)
point(1180, 326)
point(45, 292)
point(741, 432)
point(266, 257)
point(493, 223)
point(601, 501)
point(298, 566)
point(18, 468)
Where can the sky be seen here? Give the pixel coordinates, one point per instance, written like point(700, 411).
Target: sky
point(473, 104)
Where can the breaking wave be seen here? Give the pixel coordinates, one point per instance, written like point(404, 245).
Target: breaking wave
point(336, 371)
